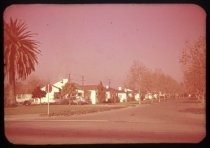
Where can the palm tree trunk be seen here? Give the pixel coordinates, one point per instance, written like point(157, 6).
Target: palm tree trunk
point(12, 95)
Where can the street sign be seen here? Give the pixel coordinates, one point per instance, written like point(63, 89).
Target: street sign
point(48, 88)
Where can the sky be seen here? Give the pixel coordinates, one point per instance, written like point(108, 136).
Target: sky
point(101, 41)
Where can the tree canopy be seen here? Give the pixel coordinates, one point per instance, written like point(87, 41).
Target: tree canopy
point(193, 59)
point(145, 79)
point(68, 90)
point(20, 51)
point(38, 93)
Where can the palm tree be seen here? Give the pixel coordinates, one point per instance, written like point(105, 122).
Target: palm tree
point(20, 54)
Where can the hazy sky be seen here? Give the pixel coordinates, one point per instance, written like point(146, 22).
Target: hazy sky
point(102, 41)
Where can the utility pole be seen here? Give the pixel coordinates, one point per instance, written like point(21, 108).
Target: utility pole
point(69, 79)
point(83, 81)
point(109, 83)
point(139, 81)
point(83, 85)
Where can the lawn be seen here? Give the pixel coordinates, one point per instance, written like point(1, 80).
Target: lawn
point(56, 110)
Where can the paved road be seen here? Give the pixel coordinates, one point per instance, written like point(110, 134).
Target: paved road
point(165, 122)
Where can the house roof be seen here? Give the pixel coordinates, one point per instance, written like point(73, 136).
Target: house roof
point(24, 90)
point(90, 87)
point(121, 91)
point(110, 89)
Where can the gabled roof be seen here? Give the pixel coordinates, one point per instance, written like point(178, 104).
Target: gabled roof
point(58, 84)
point(110, 89)
point(24, 90)
point(121, 91)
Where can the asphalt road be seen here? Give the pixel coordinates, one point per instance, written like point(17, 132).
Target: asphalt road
point(165, 122)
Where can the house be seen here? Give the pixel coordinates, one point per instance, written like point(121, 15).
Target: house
point(21, 98)
point(111, 94)
point(91, 93)
point(133, 94)
point(86, 91)
point(83, 91)
point(137, 96)
point(126, 94)
point(55, 88)
point(122, 95)
point(23, 94)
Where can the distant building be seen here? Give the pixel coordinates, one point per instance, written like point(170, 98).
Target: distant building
point(91, 93)
point(111, 94)
point(86, 91)
point(23, 94)
point(55, 88)
point(122, 95)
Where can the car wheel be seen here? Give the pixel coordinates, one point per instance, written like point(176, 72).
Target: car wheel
point(26, 103)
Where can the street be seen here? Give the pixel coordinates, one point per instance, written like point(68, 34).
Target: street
point(164, 122)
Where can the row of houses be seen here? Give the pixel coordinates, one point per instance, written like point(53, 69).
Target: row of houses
point(86, 91)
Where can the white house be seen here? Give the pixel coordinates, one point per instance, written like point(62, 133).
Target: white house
point(111, 93)
point(20, 98)
point(55, 88)
point(122, 95)
point(23, 94)
point(86, 91)
point(137, 96)
point(125, 94)
point(91, 93)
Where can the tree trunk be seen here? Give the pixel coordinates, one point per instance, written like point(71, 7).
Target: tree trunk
point(69, 99)
point(11, 100)
point(12, 88)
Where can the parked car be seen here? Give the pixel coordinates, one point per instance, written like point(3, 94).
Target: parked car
point(192, 96)
point(27, 102)
point(74, 101)
point(88, 100)
point(81, 101)
point(148, 96)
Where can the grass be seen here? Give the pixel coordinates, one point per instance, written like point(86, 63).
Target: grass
point(57, 110)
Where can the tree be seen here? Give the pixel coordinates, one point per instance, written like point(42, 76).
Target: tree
point(30, 84)
point(144, 79)
point(20, 54)
point(38, 93)
point(68, 90)
point(136, 78)
point(193, 59)
point(101, 92)
point(36, 81)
